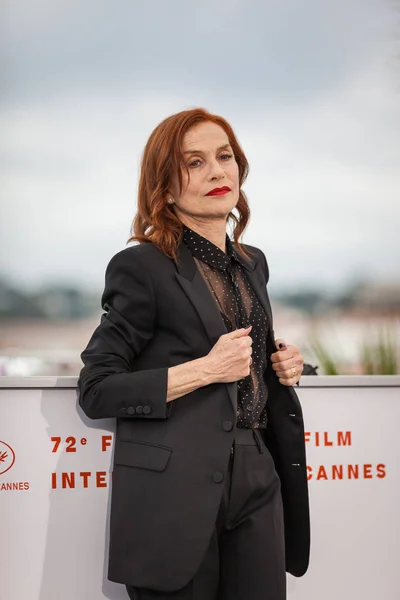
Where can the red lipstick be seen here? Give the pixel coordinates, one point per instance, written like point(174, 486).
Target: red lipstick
point(219, 191)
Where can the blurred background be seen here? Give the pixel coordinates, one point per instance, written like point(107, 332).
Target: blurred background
point(312, 90)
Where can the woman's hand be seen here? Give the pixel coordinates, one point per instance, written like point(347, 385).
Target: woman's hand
point(287, 363)
point(230, 358)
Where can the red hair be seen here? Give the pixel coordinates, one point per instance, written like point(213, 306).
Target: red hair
point(155, 220)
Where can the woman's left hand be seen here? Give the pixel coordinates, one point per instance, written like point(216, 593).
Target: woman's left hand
point(287, 363)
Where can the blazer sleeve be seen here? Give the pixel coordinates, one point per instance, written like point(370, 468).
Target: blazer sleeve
point(108, 384)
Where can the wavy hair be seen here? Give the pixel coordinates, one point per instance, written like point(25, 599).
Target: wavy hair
point(155, 220)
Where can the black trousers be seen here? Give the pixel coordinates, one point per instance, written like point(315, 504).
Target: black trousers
point(245, 559)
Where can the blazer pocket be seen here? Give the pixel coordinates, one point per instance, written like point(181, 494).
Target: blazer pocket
point(142, 455)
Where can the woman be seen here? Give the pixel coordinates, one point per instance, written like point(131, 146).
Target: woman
point(209, 444)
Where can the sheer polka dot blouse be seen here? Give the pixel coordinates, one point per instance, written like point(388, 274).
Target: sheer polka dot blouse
point(239, 307)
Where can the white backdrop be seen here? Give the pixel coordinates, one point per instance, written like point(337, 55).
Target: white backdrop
point(55, 478)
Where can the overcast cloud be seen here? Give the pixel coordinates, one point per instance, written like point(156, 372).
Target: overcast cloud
point(310, 89)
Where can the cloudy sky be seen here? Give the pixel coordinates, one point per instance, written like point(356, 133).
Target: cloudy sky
point(311, 88)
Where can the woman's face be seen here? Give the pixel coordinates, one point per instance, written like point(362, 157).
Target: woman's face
point(211, 164)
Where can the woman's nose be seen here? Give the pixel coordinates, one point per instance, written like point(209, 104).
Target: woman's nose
point(216, 171)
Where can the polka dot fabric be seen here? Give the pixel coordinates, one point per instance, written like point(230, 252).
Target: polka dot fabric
point(226, 278)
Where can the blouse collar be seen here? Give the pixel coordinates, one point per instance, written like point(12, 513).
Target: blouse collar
point(208, 252)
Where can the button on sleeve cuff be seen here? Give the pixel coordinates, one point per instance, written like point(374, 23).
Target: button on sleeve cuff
point(136, 395)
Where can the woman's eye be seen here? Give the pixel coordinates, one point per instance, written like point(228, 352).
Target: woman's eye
point(194, 163)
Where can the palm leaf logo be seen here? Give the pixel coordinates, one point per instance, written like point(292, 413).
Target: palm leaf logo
point(7, 457)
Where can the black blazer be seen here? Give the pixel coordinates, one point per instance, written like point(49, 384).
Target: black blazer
point(164, 503)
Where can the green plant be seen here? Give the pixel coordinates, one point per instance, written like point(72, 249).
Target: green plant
point(380, 358)
point(328, 363)
point(376, 358)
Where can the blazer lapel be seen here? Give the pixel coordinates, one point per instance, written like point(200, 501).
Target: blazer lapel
point(198, 293)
